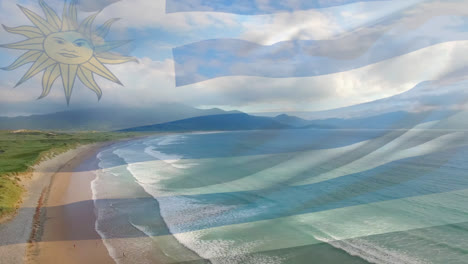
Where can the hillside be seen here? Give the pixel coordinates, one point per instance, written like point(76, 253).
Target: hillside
point(105, 119)
point(215, 123)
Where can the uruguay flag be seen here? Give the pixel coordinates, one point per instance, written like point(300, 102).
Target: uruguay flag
point(410, 27)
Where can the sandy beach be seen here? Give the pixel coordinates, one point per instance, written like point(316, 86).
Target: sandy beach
point(56, 221)
point(45, 230)
point(66, 233)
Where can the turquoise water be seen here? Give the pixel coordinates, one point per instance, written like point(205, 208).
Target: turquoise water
point(288, 196)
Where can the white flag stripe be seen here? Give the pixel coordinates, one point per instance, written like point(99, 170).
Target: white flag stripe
point(373, 82)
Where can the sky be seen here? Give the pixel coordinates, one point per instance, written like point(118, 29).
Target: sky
point(156, 32)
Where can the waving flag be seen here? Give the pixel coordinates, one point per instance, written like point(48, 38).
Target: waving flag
point(420, 25)
point(351, 147)
point(253, 7)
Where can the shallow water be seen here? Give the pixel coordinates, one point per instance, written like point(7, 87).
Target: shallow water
point(287, 196)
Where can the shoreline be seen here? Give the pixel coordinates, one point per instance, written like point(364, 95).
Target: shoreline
point(16, 230)
point(68, 216)
point(63, 221)
point(133, 247)
point(62, 224)
point(56, 220)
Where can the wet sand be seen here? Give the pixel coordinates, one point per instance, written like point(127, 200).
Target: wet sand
point(65, 229)
point(66, 232)
point(20, 233)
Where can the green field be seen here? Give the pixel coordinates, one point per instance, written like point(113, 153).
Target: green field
point(19, 150)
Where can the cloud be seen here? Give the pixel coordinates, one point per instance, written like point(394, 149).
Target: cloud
point(94, 5)
point(369, 83)
point(152, 14)
point(316, 24)
point(152, 81)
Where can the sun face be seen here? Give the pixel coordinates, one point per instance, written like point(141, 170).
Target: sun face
point(68, 47)
point(61, 47)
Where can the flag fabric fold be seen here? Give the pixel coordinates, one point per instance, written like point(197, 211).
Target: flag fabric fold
point(420, 26)
point(253, 7)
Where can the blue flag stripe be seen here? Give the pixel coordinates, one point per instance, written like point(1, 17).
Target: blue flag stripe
point(301, 58)
point(420, 26)
point(253, 7)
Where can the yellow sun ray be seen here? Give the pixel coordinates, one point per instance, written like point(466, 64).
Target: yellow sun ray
point(41, 63)
point(38, 21)
point(51, 16)
point(95, 66)
point(109, 45)
point(68, 73)
point(86, 26)
point(72, 13)
point(69, 17)
point(28, 57)
point(27, 31)
point(114, 58)
point(62, 47)
point(87, 78)
point(29, 44)
point(103, 30)
point(50, 75)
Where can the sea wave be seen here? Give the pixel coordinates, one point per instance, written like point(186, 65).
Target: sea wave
point(212, 225)
point(370, 252)
point(102, 164)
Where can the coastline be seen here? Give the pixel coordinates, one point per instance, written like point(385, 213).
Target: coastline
point(64, 228)
point(68, 216)
point(56, 223)
point(16, 230)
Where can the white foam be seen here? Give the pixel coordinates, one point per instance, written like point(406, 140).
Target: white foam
point(223, 251)
point(370, 252)
point(162, 156)
point(110, 249)
point(171, 139)
point(180, 213)
point(174, 160)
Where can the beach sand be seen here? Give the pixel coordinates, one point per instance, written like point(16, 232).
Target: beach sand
point(17, 233)
point(56, 221)
point(66, 232)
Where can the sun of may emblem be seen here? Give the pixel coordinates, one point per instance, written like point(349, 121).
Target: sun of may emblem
point(62, 47)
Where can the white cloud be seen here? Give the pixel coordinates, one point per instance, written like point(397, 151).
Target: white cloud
point(151, 82)
point(152, 14)
point(316, 24)
point(365, 84)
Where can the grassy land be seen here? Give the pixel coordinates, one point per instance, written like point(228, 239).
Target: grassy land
point(19, 150)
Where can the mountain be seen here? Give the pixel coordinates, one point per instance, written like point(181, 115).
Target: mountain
point(232, 122)
point(422, 97)
point(291, 120)
point(393, 120)
point(296, 122)
point(222, 122)
point(106, 119)
point(421, 104)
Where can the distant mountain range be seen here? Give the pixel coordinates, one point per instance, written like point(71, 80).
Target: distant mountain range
point(228, 122)
point(106, 119)
point(393, 120)
point(192, 119)
point(419, 105)
point(422, 98)
point(215, 123)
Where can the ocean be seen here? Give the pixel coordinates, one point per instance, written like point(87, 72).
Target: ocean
point(286, 196)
